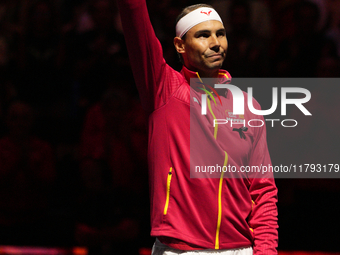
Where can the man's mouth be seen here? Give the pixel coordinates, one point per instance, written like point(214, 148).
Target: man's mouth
point(217, 55)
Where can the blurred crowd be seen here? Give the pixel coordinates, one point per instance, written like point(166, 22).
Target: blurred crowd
point(73, 136)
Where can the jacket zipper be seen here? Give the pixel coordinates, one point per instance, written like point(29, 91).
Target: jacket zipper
point(219, 218)
point(216, 125)
point(168, 182)
point(252, 206)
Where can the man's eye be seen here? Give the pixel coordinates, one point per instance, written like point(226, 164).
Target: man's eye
point(221, 34)
point(204, 35)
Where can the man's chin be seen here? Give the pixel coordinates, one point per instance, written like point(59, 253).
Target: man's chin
point(215, 65)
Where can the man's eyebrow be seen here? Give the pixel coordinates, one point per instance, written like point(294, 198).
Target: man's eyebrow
point(202, 31)
point(209, 31)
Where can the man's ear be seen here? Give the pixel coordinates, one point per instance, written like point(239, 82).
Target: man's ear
point(179, 45)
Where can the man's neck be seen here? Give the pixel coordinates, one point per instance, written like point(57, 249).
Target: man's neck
point(212, 74)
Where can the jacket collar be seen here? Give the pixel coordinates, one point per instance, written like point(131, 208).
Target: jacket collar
point(223, 77)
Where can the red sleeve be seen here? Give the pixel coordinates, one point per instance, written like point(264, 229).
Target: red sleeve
point(263, 191)
point(155, 80)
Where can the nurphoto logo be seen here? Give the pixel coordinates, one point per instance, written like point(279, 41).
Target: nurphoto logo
point(238, 104)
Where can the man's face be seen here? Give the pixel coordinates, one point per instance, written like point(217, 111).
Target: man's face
point(205, 47)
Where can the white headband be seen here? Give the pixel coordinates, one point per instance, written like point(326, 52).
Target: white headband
point(195, 17)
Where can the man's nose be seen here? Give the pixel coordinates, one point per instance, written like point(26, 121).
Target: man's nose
point(215, 43)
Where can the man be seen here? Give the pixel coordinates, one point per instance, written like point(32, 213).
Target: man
point(226, 215)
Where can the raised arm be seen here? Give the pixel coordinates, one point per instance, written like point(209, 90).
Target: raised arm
point(151, 73)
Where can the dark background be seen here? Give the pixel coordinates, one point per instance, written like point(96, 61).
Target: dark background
point(73, 135)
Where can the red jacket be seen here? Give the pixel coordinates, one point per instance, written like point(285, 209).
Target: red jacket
point(201, 213)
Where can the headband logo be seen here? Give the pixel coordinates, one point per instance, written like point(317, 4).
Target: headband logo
point(207, 13)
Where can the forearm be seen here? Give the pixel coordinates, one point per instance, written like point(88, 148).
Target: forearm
point(263, 219)
point(145, 51)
